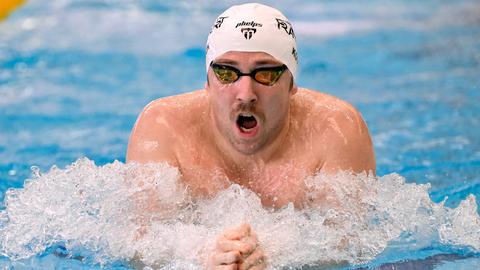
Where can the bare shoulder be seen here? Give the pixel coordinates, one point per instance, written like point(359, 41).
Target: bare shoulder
point(173, 110)
point(343, 139)
point(154, 136)
point(322, 104)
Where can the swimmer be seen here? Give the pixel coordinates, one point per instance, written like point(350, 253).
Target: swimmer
point(253, 126)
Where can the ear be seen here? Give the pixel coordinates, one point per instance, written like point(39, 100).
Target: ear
point(207, 83)
point(293, 87)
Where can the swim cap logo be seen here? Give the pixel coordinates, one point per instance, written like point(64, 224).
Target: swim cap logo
point(248, 31)
point(219, 22)
point(285, 25)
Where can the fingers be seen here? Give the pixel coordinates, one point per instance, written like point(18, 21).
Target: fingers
point(258, 267)
point(226, 258)
point(250, 241)
point(238, 232)
point(256, 260)
point(241, 238)
point(226, 267)
point(238, 248)
point(235, 245)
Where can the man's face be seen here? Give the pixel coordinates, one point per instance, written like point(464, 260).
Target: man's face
point(248, 114)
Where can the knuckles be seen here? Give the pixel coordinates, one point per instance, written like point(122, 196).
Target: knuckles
point(237, 248)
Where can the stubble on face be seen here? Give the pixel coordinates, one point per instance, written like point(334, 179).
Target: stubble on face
point(270, 126)
point(270, 109)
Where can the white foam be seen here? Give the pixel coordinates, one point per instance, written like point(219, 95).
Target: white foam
point(92, 208)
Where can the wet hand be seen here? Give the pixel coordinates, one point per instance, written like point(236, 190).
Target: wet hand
point(237, 248)
point(256, 259)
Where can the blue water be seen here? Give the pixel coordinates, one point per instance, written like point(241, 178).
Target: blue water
point(74, 76)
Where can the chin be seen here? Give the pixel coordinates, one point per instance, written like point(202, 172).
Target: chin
point(247, 148)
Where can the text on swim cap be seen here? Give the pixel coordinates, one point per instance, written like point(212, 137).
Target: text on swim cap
point(286, 26)
point(252, 24)
point(295, 55)
point(219, 22)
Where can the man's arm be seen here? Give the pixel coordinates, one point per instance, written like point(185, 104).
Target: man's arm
point(348, 144)
point(152, 137)
point(151, 141)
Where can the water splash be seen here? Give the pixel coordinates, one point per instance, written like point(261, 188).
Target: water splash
point(101, 212)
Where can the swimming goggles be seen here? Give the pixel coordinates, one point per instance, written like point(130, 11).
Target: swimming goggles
point(264, 75)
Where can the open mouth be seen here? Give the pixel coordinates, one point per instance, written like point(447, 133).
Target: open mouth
point(246, 122)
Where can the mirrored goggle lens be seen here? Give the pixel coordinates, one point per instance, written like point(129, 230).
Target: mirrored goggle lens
point(225, 75)
point(267, 77)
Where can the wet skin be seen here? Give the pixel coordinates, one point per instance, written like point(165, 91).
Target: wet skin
point(296, 133)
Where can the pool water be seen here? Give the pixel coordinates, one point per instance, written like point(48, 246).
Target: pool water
point(75, 74)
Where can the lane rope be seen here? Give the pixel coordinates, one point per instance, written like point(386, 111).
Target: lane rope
point(8, 6)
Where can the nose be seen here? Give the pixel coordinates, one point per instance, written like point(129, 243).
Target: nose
point(246, 92)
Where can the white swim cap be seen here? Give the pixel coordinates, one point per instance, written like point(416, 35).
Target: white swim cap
point(253, 28)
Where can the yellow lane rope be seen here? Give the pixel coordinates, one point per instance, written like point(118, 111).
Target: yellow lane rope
point(7, 6)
